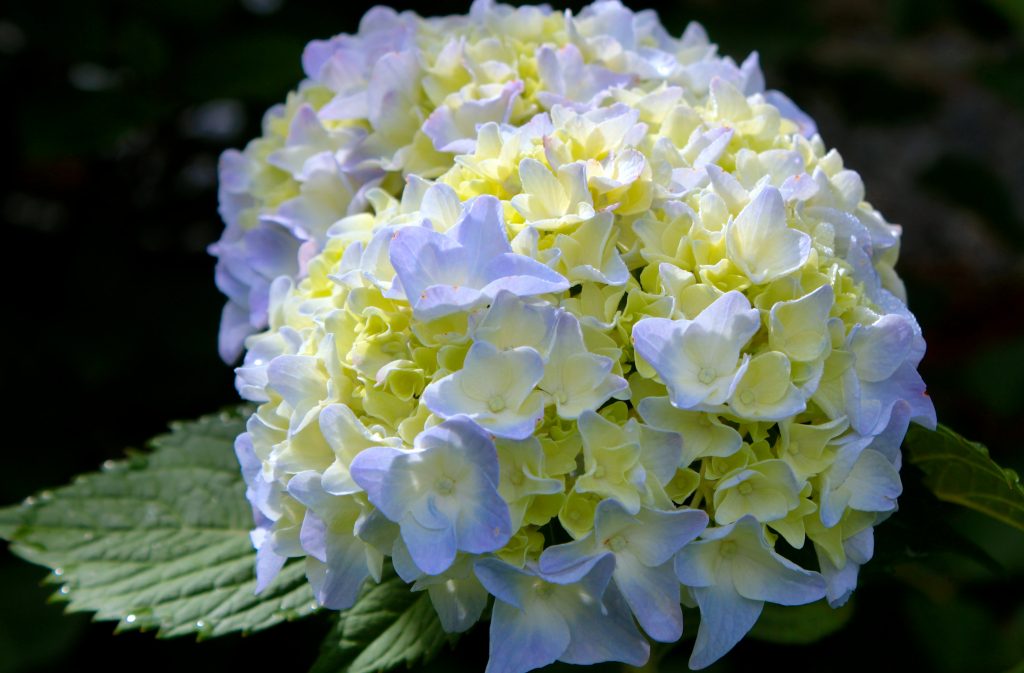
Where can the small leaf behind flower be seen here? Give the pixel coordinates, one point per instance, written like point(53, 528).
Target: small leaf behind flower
point(800, 624)
point(960, 471)
point(388, 627)
point(160, 540)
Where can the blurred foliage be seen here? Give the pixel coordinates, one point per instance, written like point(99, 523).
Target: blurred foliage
point(117, 111)
point(960, 471)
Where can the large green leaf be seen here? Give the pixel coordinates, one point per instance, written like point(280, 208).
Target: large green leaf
point(800, 624)
point(960, 471)
point(160, 540)
point(389, 626)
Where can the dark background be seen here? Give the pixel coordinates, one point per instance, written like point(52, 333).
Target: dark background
point(112, 119)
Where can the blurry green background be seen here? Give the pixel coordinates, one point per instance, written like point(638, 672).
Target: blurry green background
point(115, 112)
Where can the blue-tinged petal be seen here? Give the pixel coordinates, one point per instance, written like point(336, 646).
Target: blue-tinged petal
point(506, 582)
point(268, 562)
point(458, 603)
point(760, 574)
point(839, 582)
point(878, 399)
point(299, 380)
point(696, 564)
point(520, 275)
point(599, 626)
point(570, 562)
point(880, 348)
point(457, 595)
point(860, 479)
point(440, 300)
point(874, 483)
point(657, 536)
point(699, 360)
point(656, 340)
point(789, 110)
point(481, 232)
point(313, 536)
point(578, 381)
point(652, 595)
point(441, 206)
point(305, 487)
point(661, 453)
point(380, 533)
point(401, 561)
point(888, 441)
point(371, 469)
point(392, 92)
point(258, 491)
point(464, 441)
point(607, 634)
point(521, 642)
point(337, 582)
point(452, 128)
point(443, 494)
point(511, 322)
point(494, 389)
point(430, 537)
point(234, 327)
point(484, 522)
point(423, 258)
point(725, 617)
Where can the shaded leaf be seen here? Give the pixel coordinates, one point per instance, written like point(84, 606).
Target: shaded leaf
point(800, 624)
point(960, 471)
point(922, 531)
point(389, 626)
point(160, 540)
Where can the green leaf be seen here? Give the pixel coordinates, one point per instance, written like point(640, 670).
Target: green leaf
point(389, 626)
point(10, 520)
point(800, 624)
point(160, 540)
point(960, 471)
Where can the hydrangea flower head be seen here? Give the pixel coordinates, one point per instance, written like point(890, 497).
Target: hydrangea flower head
point(567, 311)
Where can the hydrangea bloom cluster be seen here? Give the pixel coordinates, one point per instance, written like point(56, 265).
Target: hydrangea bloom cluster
point(571, 320)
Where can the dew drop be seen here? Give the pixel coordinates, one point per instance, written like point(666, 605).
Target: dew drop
point(109, 464)
point(64, 591)
point(58, 571)
point(200, 624)
point(130, 619)
point(29, 501)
